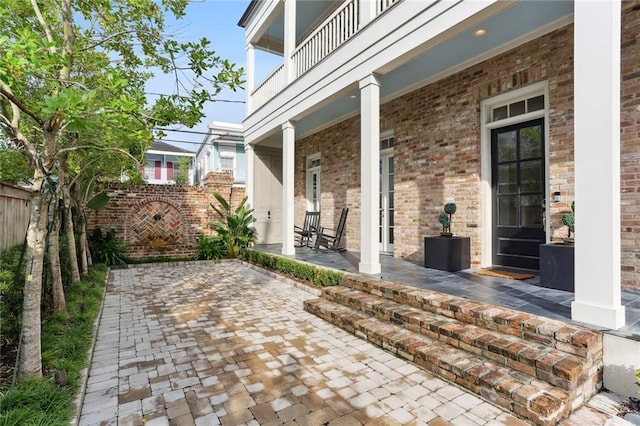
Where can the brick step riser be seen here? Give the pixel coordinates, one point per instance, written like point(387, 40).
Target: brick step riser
point(557, 368)
point(574, 340)
point(514, 391)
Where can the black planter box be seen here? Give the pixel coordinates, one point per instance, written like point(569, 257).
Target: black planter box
point(556, 266)
point(447, 253)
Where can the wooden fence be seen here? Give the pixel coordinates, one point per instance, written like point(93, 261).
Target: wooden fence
point(14, 215)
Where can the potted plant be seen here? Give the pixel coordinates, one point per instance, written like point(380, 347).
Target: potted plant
point(557, 260)
point(569, 221)
point(445, 219)
point(446, 252)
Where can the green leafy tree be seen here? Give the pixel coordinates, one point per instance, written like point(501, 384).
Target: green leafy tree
point(181, 177)
point(72, 84)
point(13, 166)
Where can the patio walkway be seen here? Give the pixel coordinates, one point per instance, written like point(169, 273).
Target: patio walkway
point(526, 295)
point(206, 344)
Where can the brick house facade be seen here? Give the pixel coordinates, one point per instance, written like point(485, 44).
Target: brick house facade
point(437, 147)
point(512, 110)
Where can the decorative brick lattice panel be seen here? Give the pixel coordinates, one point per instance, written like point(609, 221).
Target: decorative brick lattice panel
point(155, 224)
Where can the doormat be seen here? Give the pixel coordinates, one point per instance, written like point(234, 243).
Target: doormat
point(499, 273)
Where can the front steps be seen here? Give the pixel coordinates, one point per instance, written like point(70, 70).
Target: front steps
point(538, 368)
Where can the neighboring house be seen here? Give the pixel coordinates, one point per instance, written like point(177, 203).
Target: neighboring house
point(161, 163)
point(222, 150)
point(510, 109)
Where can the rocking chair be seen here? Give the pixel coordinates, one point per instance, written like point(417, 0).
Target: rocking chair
point(330, 238)
point(308, 229)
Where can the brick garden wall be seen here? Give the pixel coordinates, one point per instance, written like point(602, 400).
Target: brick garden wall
point(164, 220)
point(437, 147)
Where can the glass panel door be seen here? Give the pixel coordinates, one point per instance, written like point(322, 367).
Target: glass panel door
point(387, 206)
point(518, 194)
point(313, 183)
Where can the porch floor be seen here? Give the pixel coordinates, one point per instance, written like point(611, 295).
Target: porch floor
point(525, 295)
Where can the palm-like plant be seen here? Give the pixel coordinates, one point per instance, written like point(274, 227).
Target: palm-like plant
point(235, 230)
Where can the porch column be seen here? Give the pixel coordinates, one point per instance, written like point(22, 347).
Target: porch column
point(248, 149)
point(288, 164)
point(597, 164)
point(289, 38)
point(251, 63)
point(369, 174)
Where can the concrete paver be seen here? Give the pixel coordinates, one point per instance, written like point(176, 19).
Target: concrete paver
point(208, 344)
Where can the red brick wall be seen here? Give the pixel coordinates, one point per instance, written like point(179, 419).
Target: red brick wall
point(340, 177)
point(437, 147)
point(164, 220)
point(630, 145)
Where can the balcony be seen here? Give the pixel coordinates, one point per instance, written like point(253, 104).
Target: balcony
point(332, 32)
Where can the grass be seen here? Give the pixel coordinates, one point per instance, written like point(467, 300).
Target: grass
point(66, 339)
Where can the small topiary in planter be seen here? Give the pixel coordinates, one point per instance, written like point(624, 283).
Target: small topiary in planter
point(445, 219)
point(569, 220)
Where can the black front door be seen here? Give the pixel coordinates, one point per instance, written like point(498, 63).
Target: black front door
point(517, 154)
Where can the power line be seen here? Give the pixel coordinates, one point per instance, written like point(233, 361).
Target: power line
point(233, 101)
point(179, 141)
point(195, 132)
point(220, 138)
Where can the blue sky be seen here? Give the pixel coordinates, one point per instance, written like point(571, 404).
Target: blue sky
point(217, 20)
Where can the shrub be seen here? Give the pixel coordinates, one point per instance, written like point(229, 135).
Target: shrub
point(12, 276)
point(317, 276)
point(106, 247)
point(326, 277)
point(211, 248)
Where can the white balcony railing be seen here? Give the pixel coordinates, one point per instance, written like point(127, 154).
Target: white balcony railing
point(339, 27)
point(382, 5)
point(270, 87)
point(335, 30)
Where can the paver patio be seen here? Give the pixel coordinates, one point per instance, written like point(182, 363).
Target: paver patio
point(205, 344)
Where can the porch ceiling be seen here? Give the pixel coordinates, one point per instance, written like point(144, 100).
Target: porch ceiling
point(505, 30)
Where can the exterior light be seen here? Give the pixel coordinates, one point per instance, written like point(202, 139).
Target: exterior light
point(480, 32)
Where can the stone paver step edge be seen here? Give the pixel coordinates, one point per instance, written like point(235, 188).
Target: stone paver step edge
point(526, 396)
point(574, 339)
point(559, 368)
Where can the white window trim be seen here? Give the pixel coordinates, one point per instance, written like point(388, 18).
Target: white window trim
point(229, 152)
point(387, 134)
point(308, 183)
point(486, 107)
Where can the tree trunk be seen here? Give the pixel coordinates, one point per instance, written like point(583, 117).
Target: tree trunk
point(59, 303)
point(85, 255)
point(71, 241)
point(30, 364)
point(86, 243)
point(63, 182)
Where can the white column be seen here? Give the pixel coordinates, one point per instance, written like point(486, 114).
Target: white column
point(367, 12)
point(289, 38)
point(597, 163)
point(369, 174)
point(288, 164)
point(248, 149)
point(251, 63)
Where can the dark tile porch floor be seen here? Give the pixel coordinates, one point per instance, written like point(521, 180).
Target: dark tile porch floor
point(526, 295)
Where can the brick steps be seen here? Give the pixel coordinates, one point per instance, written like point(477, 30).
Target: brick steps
point(538, 368)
